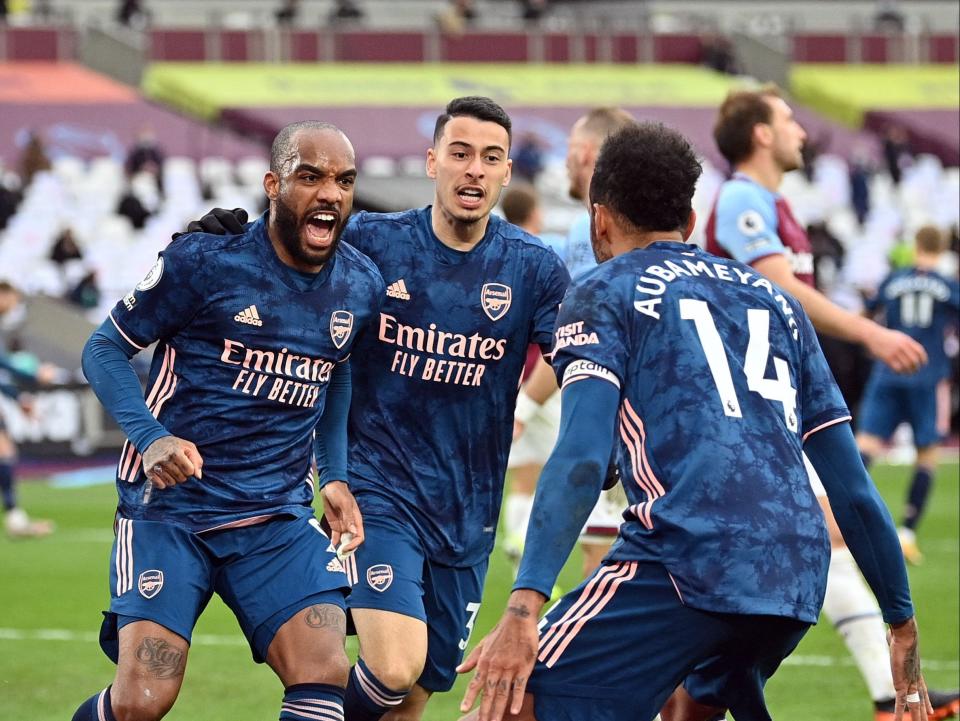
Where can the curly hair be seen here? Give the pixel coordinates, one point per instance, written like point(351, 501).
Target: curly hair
point(646, 173)
point(474, 106)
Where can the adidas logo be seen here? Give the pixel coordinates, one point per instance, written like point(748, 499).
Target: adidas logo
point(334, 566)
point(249, 316)
point(398, 290)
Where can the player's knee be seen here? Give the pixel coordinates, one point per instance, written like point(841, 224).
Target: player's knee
point(327, 663)
point(140, 703)
point(398, 673)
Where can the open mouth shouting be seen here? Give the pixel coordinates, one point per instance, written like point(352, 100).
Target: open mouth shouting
point(471, 197)
point(320, 227)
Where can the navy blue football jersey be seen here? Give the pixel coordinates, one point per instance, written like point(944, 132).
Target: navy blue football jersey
point(721, 377)
point(923, 304)
point(245, 349)
point(435, 383)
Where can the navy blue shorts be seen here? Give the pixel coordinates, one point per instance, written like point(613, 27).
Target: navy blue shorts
point(390, 572)
point(886, 406)
point(265, 573)
point(615, 648)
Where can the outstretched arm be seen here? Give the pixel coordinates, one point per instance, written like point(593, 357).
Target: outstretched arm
point(566, 493)
point(898, 350)
point(871, 536)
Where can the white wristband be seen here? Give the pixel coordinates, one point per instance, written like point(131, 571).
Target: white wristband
point(526, 408)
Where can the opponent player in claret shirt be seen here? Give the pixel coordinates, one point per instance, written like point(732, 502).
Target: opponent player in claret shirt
point(751, 222)
point(250, 379)
point(711, 381)
point(432, 414)
point(923, 303)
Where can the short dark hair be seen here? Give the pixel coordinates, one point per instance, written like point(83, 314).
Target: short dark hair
point(518, 202)
point(474, 106)
point(282, 147)
point(646, 173)
point(740, 112)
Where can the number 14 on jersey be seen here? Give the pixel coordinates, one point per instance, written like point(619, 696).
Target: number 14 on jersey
point(776, 389)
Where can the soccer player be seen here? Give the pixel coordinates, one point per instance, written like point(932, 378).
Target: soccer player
point(432, 412)
point(712, 381)
point(922, 303)
point(758, 135)
point(250, 379)
point(16, 522)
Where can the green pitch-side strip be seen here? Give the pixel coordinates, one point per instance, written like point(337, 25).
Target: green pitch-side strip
point(205, 89)
point(846, 92)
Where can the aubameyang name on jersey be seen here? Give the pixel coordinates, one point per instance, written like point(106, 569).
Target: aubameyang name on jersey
point(280, 376)
point(434, 342)
point(654, 280)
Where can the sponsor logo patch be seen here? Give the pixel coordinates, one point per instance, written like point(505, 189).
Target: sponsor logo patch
point(150, 583)
point(334, 566)
point(380, 577)
point(249, 315)
point(153, 276)
point(398, 290)
point(341, 325)
point(750, 222)
point(495, 298)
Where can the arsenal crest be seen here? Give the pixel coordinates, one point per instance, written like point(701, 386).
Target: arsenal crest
point(150, 583)
point(495, 299)
point(341, 324)
point(380, 577)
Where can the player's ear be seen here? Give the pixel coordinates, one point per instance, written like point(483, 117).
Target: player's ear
point(762, 135)
point(271, 185)
point(506, 178)
point(601, 220)
point(691, 224)
point(432, 163)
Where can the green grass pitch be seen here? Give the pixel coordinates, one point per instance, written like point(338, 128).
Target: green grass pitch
point(52, 591)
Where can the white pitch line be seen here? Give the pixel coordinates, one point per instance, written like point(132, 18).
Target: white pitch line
point(207, 639)
point(61, 634)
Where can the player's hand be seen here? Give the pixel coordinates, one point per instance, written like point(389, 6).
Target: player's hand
point(218, 221)
point(342, 513)
point(171, 460)
point(912, 698)
point(898, 350)
point(504, 659)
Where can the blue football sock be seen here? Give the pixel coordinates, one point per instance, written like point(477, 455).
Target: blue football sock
point(312, 702)
point(96, 708)
point(917, 496)
point(367, 698)
point(6, 485)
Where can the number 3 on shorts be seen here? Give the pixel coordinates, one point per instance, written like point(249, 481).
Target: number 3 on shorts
point(473, 609)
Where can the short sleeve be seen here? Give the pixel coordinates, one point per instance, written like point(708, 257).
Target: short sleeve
point(590, 339)
point(164, 301)
point(746, 223)
point(821, 403)
point(552, 282)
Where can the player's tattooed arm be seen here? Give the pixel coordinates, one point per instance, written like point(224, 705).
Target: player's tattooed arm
point(326, 616)
point(160, 658)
